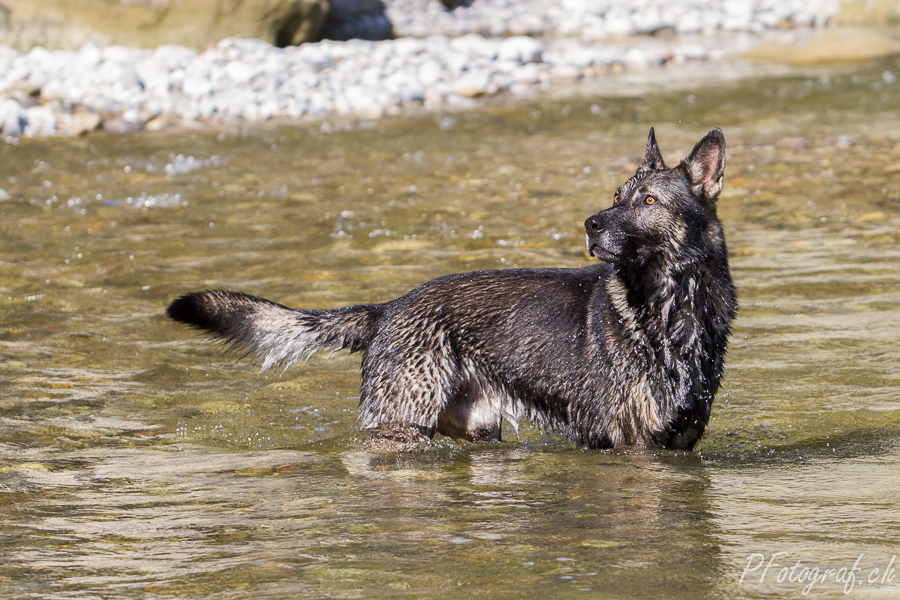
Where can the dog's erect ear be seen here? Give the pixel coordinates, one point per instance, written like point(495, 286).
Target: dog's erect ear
point(652, 157)
point(706, 165)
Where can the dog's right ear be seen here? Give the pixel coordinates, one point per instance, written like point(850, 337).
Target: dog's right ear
point(706, 165)
point(652, 156)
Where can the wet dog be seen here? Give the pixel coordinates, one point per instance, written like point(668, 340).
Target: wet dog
point(625, 352)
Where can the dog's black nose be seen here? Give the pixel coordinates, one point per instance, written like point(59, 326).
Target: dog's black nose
point(593, 224)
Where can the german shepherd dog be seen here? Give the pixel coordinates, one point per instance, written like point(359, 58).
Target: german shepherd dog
point(625, 352)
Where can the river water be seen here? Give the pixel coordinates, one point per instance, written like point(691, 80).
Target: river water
point(137, 461)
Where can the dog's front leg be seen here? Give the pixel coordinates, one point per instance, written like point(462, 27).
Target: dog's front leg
point(399, 436)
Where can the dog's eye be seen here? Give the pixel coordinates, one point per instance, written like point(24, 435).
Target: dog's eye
point(616, 199)
point(650, 200)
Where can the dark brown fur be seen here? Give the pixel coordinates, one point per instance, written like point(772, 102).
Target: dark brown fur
point(626, 352)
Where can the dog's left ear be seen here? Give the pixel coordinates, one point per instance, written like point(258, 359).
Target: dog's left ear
point(653, 157)
point(706, 165)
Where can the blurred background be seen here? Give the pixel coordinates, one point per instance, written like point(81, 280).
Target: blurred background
point(124, 65)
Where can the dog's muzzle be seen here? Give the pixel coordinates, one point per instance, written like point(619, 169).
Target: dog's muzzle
point(604, 236)
point(594, 227)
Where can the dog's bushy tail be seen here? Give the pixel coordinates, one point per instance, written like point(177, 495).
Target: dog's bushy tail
point(274, 333)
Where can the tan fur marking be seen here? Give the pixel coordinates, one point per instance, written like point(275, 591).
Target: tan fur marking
point(638, 409)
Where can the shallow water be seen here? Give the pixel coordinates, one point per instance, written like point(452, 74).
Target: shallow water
point(137, 461)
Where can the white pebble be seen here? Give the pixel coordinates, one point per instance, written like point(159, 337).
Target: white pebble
point(521, 48)
point(13, 117)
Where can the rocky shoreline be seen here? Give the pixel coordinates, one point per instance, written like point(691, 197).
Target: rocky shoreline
point(442, 59)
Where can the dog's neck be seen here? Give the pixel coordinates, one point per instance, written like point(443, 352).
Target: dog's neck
point(659, 306)
point(669, 320)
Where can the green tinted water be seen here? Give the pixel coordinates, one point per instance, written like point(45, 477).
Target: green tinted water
point(138, 462)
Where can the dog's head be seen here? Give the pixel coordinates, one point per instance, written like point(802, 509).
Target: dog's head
point(662, 215)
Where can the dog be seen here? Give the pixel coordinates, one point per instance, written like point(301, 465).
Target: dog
point(626, 352)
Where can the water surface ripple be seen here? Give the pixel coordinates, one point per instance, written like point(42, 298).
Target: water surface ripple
point(137, 461)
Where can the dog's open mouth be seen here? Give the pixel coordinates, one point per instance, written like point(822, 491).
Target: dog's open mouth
point(600, 253)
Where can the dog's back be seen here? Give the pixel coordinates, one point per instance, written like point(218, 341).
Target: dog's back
point(626, 352)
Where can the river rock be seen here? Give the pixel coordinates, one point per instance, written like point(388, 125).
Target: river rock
point(79, 123)
point(520, 48)
point(13, 117)
point(473, 83)
point(40, 121)
point(475, 45)
point(357, 19)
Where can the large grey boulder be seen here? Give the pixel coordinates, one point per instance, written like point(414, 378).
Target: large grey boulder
point(69, 24)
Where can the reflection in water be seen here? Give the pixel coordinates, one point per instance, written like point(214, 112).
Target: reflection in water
point(136, 461)
point(185, 521)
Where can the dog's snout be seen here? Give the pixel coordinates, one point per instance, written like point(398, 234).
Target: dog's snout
point(593, 224)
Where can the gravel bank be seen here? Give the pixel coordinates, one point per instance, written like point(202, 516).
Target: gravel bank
point(443, 59)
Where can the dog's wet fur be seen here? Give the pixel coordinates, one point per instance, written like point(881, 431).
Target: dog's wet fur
point(625, 352)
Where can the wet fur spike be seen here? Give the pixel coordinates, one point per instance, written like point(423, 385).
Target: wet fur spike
point(625, 352)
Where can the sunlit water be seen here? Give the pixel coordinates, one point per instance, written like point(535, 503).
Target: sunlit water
point(136, 461)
